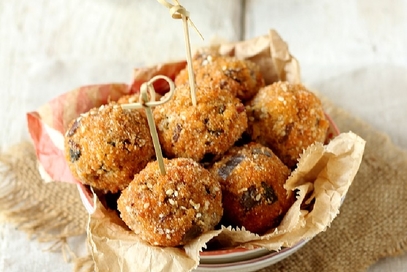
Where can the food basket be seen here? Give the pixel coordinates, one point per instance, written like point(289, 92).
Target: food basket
point(323, 175)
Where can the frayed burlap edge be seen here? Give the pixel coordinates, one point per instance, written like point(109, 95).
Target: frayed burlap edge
point(84, 264)
point(47, 212)
point(30, 204)
point(371, 224)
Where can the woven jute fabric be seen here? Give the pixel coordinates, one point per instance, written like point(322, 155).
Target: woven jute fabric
point(371, 223)
point(48, 212)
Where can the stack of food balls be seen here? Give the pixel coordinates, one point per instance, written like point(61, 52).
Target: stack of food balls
point(227, 157)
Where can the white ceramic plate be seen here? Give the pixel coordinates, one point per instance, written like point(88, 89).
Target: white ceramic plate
point(240, 259)
point(237, 259)
point(251, 264)
point(231, 255)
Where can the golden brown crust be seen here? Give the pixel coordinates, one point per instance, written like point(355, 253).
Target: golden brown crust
point(172, 209)
point(242, 78)
point(107, 146)
point(200, 132)
point(287, 118)
point(134, 98)
point(252, 179)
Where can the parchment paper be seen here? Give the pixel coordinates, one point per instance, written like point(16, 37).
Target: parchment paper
point(320, 181)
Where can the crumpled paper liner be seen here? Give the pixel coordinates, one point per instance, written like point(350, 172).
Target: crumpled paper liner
point(324, 174)
point(321, 180)
point(47, 125)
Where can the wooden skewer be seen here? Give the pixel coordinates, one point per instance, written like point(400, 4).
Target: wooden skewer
point(147, 87)
point(179, 12)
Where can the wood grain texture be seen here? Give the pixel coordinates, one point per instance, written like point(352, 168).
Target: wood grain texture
point(48, 47)
point(42, 42)
point(352, 51)
point(128, 30)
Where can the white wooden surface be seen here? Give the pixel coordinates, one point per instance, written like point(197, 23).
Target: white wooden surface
point(352, 51)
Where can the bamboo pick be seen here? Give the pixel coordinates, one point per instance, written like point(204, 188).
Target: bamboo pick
point(179, 12)
point(147, 87)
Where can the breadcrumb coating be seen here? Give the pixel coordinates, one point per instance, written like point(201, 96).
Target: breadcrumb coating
point(252, 178)
point(202, 132)
point(107, 146)
point(172, 209)
point(287, 118)
point(242, 78)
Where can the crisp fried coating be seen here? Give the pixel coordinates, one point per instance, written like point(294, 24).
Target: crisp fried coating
point(252, 178)
point(135, 98)
point(242, 78)
point(202, 132)
point(107, 146)
point(287, 118)
point(172, 209)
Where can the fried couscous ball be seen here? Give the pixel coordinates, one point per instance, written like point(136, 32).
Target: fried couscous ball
point(287, 118)
point(134, 98)
point(240, 77)
point(202, 132)
point(204, 52)
point(252, 178)
point(172, 209)
point(107, 146)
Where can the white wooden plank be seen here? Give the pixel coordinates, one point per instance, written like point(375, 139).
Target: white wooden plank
point(48, 47)
point(131, 30)
point(42, 41)
point(352, 51)
point(341, 32)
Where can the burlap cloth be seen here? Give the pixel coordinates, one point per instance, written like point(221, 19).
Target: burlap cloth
point(372, 223)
